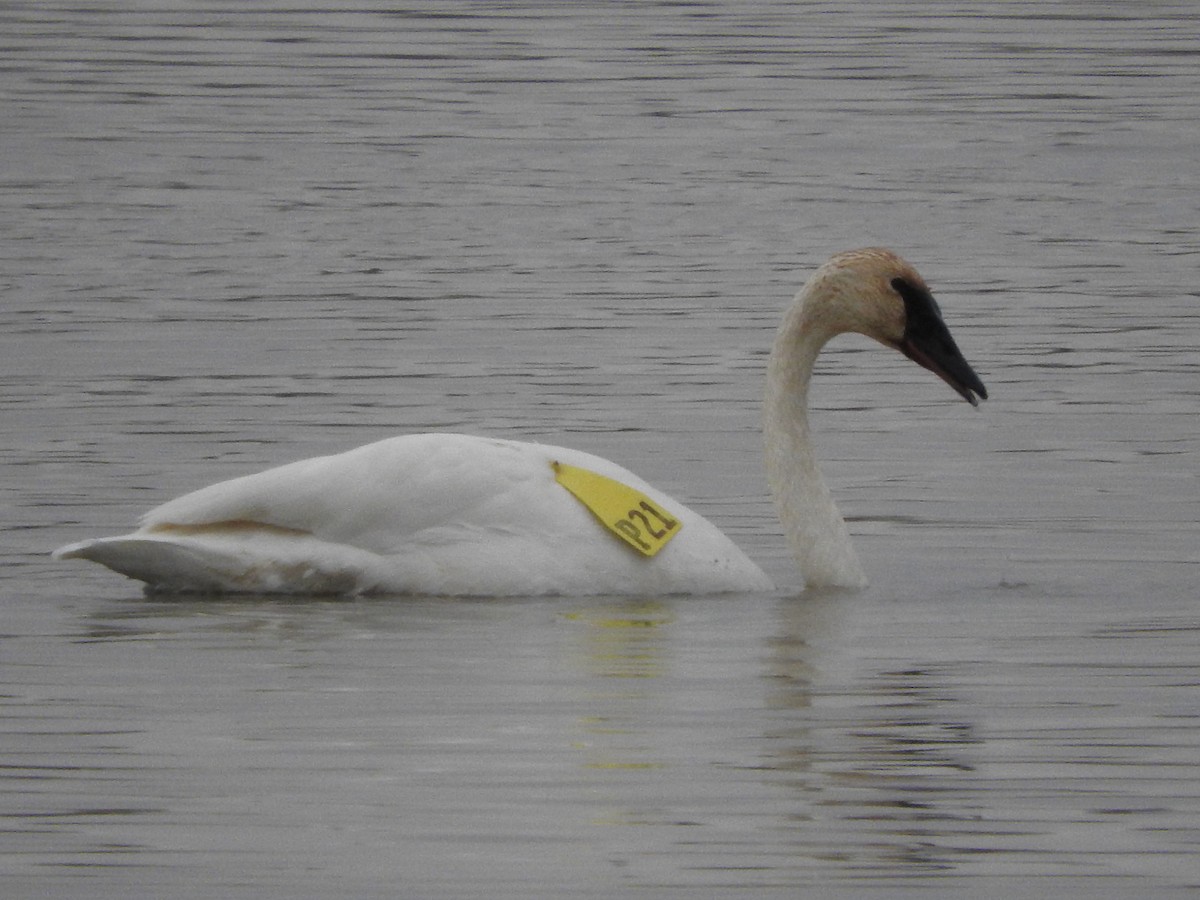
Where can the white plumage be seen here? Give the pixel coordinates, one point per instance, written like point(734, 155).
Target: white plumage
point(424, 513)
point(462, 515)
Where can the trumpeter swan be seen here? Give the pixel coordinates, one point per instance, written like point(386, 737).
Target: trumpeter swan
point(456, 514)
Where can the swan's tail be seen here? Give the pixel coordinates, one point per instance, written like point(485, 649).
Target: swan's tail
point(189, 564)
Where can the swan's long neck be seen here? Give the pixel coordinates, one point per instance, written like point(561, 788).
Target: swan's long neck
point(814, 527)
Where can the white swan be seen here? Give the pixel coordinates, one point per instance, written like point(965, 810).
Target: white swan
point(460, 515)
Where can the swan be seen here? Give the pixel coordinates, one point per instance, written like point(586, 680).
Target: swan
point(456, 514)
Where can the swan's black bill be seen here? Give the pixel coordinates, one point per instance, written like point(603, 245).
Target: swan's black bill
point(927, 342)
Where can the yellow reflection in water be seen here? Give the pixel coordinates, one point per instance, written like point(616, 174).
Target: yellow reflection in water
point(622, 646)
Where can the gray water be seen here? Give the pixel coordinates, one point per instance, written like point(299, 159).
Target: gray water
point(240, 234)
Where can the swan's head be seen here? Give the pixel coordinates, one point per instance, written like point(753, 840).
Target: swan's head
point(876, 293)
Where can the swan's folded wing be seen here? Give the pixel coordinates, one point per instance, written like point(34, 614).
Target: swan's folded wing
point(374, 497)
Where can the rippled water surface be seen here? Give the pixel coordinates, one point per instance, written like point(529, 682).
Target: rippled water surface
point(239, 234)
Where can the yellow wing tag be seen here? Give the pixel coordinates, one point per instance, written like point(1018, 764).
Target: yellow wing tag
point(628, 513)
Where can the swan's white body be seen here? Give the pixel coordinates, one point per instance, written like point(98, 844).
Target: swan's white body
point(419, 514)
point(460, 515)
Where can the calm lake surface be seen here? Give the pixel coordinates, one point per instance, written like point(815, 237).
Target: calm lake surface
point(241, 234)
